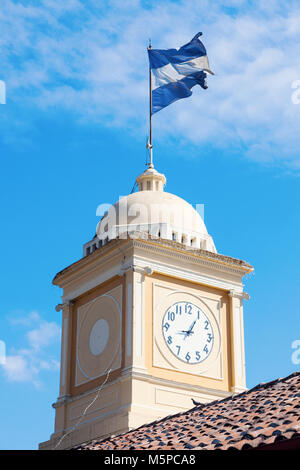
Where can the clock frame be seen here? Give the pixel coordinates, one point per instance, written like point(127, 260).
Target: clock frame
point(163, 358)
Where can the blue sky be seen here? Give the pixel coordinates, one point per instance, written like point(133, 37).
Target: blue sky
point(72, 136)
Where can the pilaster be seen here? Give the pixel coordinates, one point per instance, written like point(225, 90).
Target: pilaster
point(135, 316)
point(238, 378)
point(65, 364)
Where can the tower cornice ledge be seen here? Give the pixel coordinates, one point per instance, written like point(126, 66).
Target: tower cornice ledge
point(162, 245)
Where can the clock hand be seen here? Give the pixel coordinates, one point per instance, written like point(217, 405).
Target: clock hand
point(192, 326)
point(183, 332)
point(187, 332)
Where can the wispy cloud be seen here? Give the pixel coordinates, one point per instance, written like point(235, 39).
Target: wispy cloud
point(43, 335)
point(25, 364)
point(89, 57)
point(19, 318)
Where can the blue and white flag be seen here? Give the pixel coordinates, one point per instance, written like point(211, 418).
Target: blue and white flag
point(175, 72)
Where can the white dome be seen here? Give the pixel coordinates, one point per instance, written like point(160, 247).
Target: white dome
point(156, 213)
point(155, 207)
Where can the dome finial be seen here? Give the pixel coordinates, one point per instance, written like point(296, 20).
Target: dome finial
point(151, 180)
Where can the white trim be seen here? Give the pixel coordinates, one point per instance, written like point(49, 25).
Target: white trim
point(129, 320)
point(238, 344)
point(64, 352)
point(138, 319)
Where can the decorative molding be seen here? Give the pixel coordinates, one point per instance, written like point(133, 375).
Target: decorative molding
point(137, 269)
point(238, 342)
point(104, 251)
point(135, 374)
point(88, 280)
point(64, 351)
point(100, 417)
point(202, 256)
point(130, 370)
point(239, 295)
point(181, 273)
point(84, 274)
point(88, 267)
point(129, 322)
point(221, 262)
point(139, 373)
point(236, 390)
point(62, 306)
point(62, 400)
point(138, 317)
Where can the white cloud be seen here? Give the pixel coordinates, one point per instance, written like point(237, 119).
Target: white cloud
point(90, 57)
point(20, 319)
point(43, 335)
point(26, 364)
point(17, 369)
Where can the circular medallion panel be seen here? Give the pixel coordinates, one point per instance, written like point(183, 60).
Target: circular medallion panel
point(99, 337)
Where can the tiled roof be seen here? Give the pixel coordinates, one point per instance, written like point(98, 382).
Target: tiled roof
point(266, 414)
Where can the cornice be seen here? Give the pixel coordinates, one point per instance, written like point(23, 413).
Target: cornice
point(166, 247)
point(134, 373)
point(239, 295)
point(131, 373)
point(106, 254)
point(206, 258)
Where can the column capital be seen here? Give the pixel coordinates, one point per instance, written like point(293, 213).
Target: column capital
point(62, 306)
point(239, 295)
point(137, 269)
point(61, 400)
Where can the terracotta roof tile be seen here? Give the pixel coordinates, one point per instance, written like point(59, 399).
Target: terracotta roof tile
point(267, 414)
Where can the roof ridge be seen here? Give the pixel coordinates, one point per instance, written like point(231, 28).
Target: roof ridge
point(263, 385)
point(260, 386)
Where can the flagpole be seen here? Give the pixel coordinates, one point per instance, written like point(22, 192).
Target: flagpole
point(150, 146)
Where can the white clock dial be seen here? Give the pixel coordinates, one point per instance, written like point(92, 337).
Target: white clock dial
point(188, 332)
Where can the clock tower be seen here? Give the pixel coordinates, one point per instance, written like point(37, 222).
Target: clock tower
point(152, 316)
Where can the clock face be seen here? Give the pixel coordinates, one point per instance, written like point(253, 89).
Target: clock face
point(188, 332)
